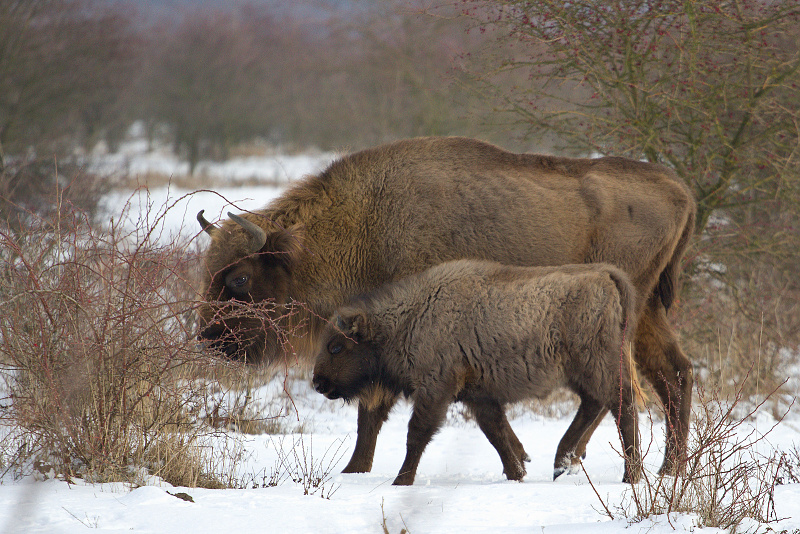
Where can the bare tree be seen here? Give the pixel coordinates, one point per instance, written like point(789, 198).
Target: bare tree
point(707, 88)
point(62, 65)
point(207, 81)
point(383, 71)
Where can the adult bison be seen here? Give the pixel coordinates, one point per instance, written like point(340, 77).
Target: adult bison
point(383, 213)
point(488, 335)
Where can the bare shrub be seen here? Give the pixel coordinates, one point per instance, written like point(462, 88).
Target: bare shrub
point(32, 191)
point(725, 479)
point(250, 400)
point(385, 527)
point(742, 335)
point(789, 470)
point(96, 336)
point(313, 474)
point(300, 466)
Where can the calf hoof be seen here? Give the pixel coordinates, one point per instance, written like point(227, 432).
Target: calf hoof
point(670, 468)
point(515, 472)
point(633, 473)
point(558, 471)
point(403, 480)
point(631, 478)
point(349, 469)
point(570, 466)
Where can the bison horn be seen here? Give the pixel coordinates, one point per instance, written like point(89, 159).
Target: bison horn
point(258, 237)
point(340, 322)
point(206, 226)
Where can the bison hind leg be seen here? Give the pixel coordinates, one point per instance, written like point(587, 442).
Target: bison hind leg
point(492, 421)
point(572, 446)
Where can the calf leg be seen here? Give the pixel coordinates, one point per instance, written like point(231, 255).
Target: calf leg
point(624, 410)
point(428, 415)
point(580, 449)
point(667, 368)
point(573, 445)
point(370, 421)
point(492, 421)
point(516, 444)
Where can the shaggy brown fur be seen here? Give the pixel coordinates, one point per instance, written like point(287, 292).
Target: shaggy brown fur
point(488, 335)
point(380, 214)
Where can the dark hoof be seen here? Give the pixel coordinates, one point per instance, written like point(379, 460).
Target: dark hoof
point(568, 465)
point(403, 480)
point(558, 471)
point(357, 467)
point(515, 472)
point(631, 479)
point(668, 468)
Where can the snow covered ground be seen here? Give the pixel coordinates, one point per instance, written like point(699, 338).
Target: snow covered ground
point(459, 488)
point(242, 184)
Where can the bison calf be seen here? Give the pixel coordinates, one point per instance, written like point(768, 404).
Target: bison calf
point(487, 335)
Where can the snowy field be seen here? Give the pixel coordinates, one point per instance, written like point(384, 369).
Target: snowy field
point(171, 210)
point(459, 487)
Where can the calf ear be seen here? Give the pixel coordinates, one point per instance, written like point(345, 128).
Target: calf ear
point(286, 246)
point(353, 323)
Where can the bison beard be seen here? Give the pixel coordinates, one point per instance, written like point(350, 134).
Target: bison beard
point(398, 209)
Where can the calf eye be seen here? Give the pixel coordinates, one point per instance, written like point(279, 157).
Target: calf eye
point(335, 349)
point(239, 282)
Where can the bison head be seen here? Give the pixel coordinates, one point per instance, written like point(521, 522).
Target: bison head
point(247, 286)
point(347, 361)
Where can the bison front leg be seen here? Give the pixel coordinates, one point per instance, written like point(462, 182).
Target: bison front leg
point(370, 420)
point(428, 415)
point(573, 445)
point(492, 421)
point(667, 368)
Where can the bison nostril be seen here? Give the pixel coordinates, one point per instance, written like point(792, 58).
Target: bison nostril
point(320, 384)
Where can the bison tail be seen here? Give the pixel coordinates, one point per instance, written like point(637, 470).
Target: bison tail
point(667, 287)
point(627, 299)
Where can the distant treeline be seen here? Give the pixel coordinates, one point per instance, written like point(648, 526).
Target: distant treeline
point(75, 72)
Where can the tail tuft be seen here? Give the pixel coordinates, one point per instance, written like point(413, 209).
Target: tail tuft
point(640, 396)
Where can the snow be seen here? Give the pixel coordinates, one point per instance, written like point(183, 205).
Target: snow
point(244, 184)
point(459, 487)
point(135, 158)
point(170, 212)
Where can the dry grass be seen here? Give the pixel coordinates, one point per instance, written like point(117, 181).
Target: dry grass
point(742, 320)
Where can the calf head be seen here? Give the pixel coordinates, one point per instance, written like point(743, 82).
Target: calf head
point(347, 361)
point(246, 288)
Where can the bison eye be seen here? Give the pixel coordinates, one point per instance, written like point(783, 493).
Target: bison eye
point(335, 348)
point(239, 282)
